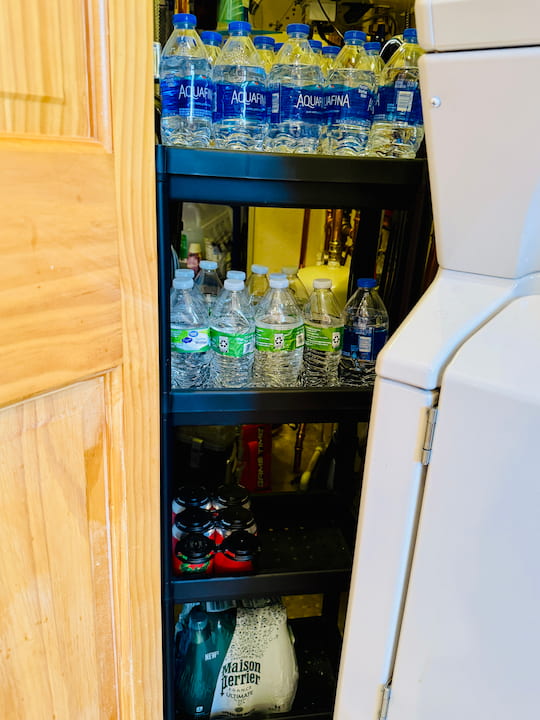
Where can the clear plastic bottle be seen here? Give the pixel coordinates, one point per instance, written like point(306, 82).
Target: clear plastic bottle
point(190, 343)
point(189, 273)
point(295, 87)
point(279, 337)
point(373, 51)
point(232, 335)
point(257, 284)
point(329, 54)
point(277, 48)
point(316, 46)
point(324, 336)
point(239, 119)
point(265, 47)
point(366, 331)
point(209, 283)
point(212, 42)
point(350, 99)
point(398, 127)
point(296, 286)
point(186, 87)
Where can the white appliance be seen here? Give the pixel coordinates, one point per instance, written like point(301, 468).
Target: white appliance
point(444, 612)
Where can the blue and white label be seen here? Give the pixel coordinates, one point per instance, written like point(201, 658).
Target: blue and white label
point(399, 102)
point(297, 104)
point(195, 96)
point(363, 344)
point(169, 87)
point(244, 100)
point(346, 104)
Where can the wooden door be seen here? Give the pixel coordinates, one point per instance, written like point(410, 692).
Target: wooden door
point(80, 633)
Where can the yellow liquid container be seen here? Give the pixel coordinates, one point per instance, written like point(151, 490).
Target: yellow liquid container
point(338, 274)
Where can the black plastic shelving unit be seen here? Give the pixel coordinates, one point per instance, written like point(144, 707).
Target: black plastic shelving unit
point(304, 547)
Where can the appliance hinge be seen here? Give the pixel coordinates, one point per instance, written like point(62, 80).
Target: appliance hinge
point(428, 437)
point(385, 701)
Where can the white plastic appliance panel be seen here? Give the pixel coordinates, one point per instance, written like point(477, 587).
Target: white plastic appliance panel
point(481, 114)
point(390, 497)
point(469, 641)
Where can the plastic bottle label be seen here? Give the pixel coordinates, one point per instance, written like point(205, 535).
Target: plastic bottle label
point(195, 96)
point(190, 341)
point(324, 339)
point(246, 100)
point(363, 344)
point(345, 104)
point(298, 104)
point(232, 345)
point(268, 339)
point(399, 103)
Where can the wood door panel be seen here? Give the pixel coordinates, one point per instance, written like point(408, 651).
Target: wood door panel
point(56, 625)
point(59, 276)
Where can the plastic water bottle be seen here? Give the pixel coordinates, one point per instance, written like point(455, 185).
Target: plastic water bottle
point(239, 119)
point(295, 85)
point(190, 343)
point(279, 337)
point(316, 46)
point(232, 335)
point(373, 51)
point(349, 99)
point(212, 42)
point(277, 48)
point(398, 127)
point(189, 273)
point(329, 54)
point(366, 331)
point(208, 283)
point(186, 87)
point(265, 47)
point(324, 336)
point(296, 286)
point(257, 284)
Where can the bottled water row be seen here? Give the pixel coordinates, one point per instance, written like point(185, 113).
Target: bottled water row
point(302, 99)
point(270, 333)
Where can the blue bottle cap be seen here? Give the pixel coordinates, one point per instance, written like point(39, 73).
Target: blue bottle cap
point(355, 35)
point(264, 41)
point(372, 46)
point(210, 37)
point(184, 19)
point(330, 50)
point(277, 47)
point(239, 27)
point(297, 28)
point(316, 44)
point(366, 283)
point(410, 36)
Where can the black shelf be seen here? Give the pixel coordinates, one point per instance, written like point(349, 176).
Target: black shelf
point(229, 407)
point(266, 179)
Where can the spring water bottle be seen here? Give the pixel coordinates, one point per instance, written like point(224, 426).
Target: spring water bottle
point(232, 335)
point(212, 42)
point(329, 54)
point(265, 47)
point(186, 87)
point(189, 273)
point(296, 286)
point(190, 344)
point(349, 99)
point(373, 51)
point(208, 282)
point(324, 336)
point(316, 46)
point(398, 128)
point(295, 86)
point(239, 119)
point(366, 331)
point(257, 284)
point(279, 337)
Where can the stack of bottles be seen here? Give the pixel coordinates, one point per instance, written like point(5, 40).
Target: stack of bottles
point(301, 99)
point(269, 332)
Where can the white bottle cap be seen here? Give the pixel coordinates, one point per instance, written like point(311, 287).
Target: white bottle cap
point(183, 283)
point(279, 282)
point(208, 264)
point(184, 272)
point(277, 275)
point(290, 269)
point(322, 283)
point(236, 274)
point(259, 269)
point(233, 284)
